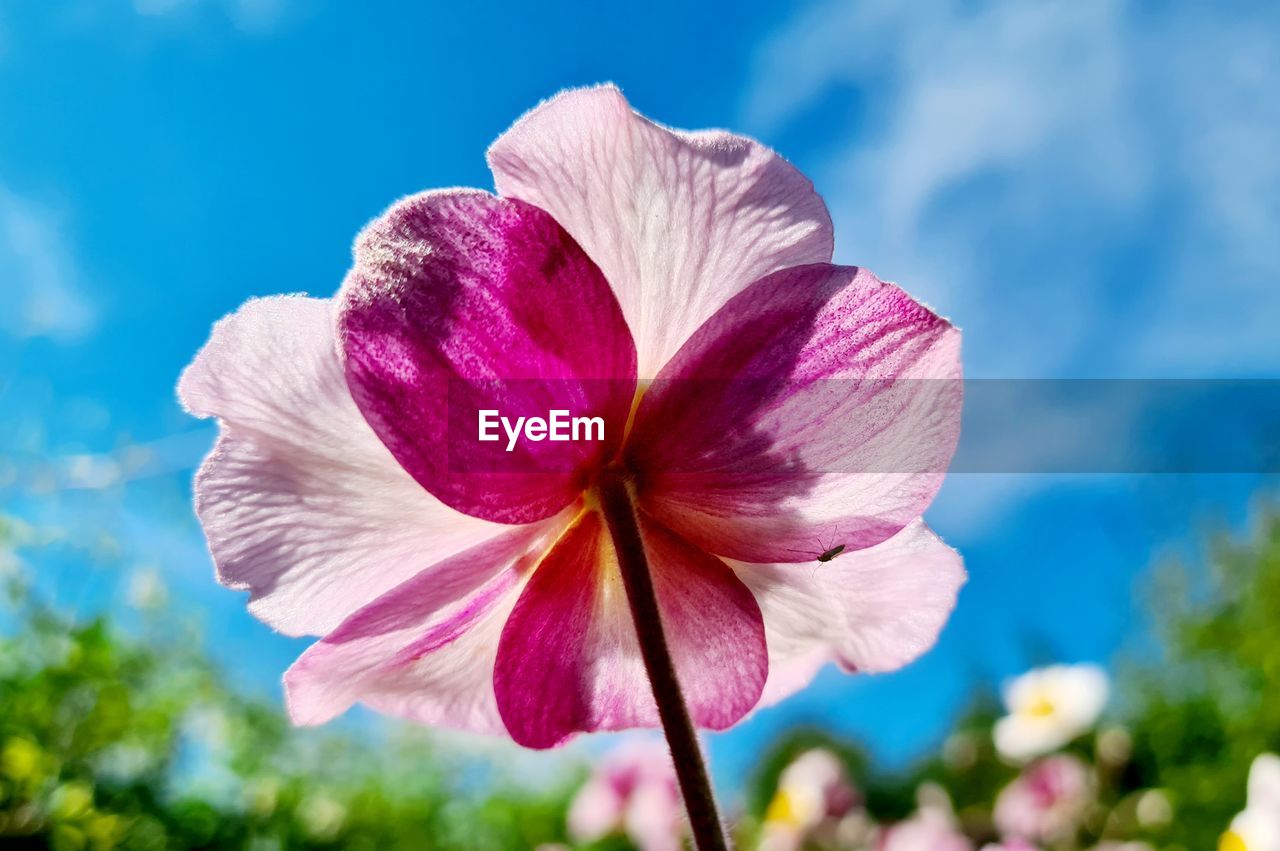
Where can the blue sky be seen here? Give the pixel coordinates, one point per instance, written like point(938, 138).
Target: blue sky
point(1090, 189)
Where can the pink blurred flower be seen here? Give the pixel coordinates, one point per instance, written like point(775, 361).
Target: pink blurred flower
point(1009, 845)
point(923, 833)
point(813, 792)
point(633, 790)
point(458, 584)
point(1046, 801)
point(932, 828)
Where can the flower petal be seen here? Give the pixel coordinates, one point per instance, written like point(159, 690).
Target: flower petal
point(461, 302)
point(569, 660)
point(425, 650)
point(818, 409)
point(301, 503)
point(678, 222)
point(790, 674)
point(869, 610)
point(1264, 783)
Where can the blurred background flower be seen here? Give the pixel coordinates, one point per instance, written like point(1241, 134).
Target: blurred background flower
point(1046, 801)
point(1257, 828)
point(933, 826)
point(1049, 707)
point(632, 791)
point(813, 799)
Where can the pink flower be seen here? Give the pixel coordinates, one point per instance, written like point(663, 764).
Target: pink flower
point(1045, 802)
point(933, 827)
point(927, 830)
point(632, 791)
point(460, 584)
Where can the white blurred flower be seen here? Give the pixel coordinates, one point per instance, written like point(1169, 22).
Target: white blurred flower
point(1264, 783)
point(1257, 828)
point(1048, 707)
point(1045, 802)
point(1122, 846)
point(814, 789)
point(633, 790)
point(1009, 845)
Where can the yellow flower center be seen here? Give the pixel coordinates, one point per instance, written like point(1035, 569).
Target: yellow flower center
point(1232, 841)
point(1040, 707)
point(782, 811)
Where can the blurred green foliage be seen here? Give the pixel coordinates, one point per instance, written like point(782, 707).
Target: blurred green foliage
point(1212, 702)
point(1170, 761)
point(133, 740)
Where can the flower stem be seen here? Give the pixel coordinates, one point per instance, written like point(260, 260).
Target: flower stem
point(691, 771)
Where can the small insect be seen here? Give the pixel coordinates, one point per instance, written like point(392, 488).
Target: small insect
point(828, 555)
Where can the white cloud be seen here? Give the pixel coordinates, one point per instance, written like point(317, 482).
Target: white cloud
point(1087, 187)
point(987, 89)
point(38, 278)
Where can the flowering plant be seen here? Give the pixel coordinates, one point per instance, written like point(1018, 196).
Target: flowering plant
point(758, 408)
